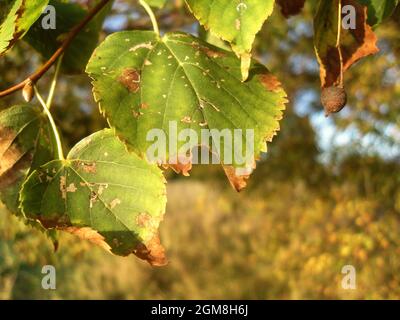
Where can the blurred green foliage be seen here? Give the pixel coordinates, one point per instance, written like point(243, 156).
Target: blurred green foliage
point(308, 211)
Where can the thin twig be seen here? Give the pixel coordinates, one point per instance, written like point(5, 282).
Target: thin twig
point(71, 35)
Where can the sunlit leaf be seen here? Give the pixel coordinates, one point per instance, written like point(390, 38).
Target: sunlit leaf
point(235, 21)
point(102, 193)
point(144, 83)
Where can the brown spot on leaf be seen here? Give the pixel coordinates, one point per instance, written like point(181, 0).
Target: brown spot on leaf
point(63, 188)
point(130, 79)
point(136, 114)
point(71, 188)
point(89, 167)
point(238, 24)
point(101, 188)
point(144, 106)
point(115, 203)
point(148, 46)
point(182, 164)
point(238, 182)
point(92, 198)
point(186, 119)
point(89, 234)
point(143, 219)
point(270, 82)
point(212, 53)
point(153, 252)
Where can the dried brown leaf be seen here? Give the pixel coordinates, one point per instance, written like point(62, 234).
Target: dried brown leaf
point(291, 7)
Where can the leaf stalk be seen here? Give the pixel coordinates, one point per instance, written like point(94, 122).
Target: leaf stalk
point(151, 15)
point(60, 152)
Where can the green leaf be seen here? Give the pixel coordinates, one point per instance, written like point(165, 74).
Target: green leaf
point(379, 10)
point(102, 193)
point(210, 38)
point(16, 18)
point(26, 142)
point(156, 3)
point(144, 83)
point(47, 41)
point(237, 22)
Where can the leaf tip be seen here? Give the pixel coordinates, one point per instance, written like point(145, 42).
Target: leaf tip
point(237, 181)
point(245, 66)
point(152, 252)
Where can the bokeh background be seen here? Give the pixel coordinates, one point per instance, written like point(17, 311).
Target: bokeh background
point(326, 195)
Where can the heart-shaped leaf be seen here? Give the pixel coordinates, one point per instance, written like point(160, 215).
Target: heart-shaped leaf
point(237, 22)
point(102, 193)
point(144, 84)
point(17, 16)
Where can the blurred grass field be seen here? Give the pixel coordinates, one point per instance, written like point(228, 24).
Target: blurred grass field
point(277, 243)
